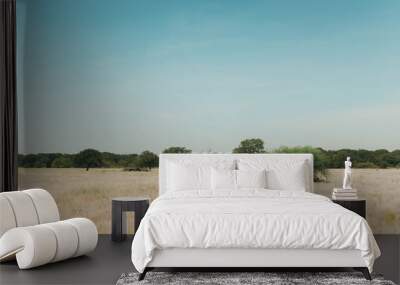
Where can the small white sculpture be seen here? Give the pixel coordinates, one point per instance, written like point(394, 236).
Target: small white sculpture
point(347, 174)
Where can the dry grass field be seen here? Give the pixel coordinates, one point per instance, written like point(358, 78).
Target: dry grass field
point(381, 189)
point(88, 193)
point(81, 193)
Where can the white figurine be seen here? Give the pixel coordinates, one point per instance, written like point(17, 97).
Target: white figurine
point(347, 174)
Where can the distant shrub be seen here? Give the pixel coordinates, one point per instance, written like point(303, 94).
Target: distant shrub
point(62, 162)
point(250, 146)
point(147, 159)
point(177, 149)
point(134, 168)
point(366, 164)
point(88, 158)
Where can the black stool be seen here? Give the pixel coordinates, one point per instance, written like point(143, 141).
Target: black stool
point(139, 205)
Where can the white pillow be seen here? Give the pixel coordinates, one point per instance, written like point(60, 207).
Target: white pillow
point(281, 174)
point(251, 178)
point(223, 179)
point(183, 177)
point(189, 174)
point(288, 178)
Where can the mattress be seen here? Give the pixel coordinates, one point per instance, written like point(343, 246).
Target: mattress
point(255, 257)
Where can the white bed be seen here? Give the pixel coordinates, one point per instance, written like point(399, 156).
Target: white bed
point(249, 227)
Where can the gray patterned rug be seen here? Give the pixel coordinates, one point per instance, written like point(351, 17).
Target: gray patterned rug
point(269, 278)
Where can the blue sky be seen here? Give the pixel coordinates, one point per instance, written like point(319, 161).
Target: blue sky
point(125, 76)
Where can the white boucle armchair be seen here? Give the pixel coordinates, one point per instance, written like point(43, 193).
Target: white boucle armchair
point(31, 230)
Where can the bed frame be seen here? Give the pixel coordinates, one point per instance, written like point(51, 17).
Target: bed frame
point(246, 259)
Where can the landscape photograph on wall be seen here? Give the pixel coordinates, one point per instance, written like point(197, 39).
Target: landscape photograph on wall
point(128, 82)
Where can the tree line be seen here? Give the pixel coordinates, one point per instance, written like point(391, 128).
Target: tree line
point(323, 159)
point(89, 158)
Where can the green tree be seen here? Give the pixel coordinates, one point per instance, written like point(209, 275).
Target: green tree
point(250, 146)
point(50, 157)
point(131, 160)
point(177, 149)
point(337, 157)
point(147, 159)
point(21, 158)
point(41, 160)
point(111, 159)
point(321, 159)
point(394, 158)
point(62, 162)
point(88, 158)
point(380, 158)
point(366, 165)
point(27, 160)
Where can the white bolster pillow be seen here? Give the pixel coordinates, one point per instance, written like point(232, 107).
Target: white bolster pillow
point(46, 207)
point(7, 217)
point(33, 246)
point(67, 240)
point(87, 235)
point(37, 245)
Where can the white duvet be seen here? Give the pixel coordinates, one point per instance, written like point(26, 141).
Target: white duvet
point(250, 219)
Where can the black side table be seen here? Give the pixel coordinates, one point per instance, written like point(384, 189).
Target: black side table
point(357, 206)
point(139, 205)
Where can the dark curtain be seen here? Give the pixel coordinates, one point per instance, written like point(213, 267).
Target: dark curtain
point(8, 99)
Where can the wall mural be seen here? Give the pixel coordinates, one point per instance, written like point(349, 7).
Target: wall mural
point(103, 89)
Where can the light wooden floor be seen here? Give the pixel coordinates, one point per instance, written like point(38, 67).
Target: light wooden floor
point(110, 260)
